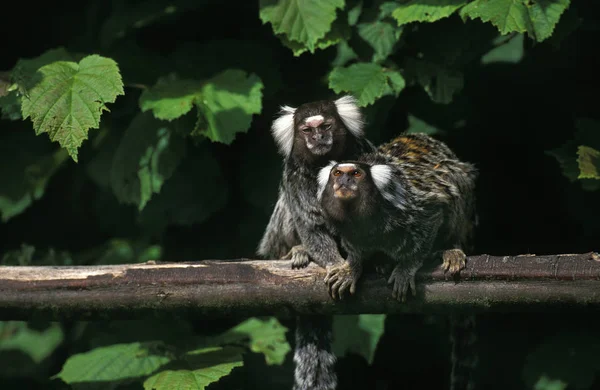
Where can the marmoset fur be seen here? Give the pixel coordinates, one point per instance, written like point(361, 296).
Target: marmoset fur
point(309, 137)
point(412, 200)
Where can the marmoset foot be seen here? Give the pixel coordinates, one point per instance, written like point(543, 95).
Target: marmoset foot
point(299, 257)
point(454, 261)
point(341, 277)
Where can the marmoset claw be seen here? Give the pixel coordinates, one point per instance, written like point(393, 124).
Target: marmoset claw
point(341, 277)
point(454, 261)
point(402, 280)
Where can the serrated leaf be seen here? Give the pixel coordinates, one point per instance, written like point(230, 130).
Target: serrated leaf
point(27, 163)
point(146, 157)
point(366, 81)
point(24, 72)
point(37, 344)
point(70, 97)
point(589, 163)
point(337, 34)
point(214, 363)
point(511, 51)
point(303, 21)
point(425, 10)
point(537, 18)
point(114, 362)
point(185, 200)
point(381, 36)
point(578, 371)
point(440, 83)
point(265, 336)
point(358, 334)
point(170, 97)
point(228, 102)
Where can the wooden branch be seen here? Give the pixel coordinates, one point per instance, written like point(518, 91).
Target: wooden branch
point(253, 287)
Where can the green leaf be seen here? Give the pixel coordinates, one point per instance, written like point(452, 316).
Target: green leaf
point(303, 21)
point(24, 77)
point(344, 55)
point(587, 134)
point(147, 155)
point(565, 156)
point(37, 344)
point(578, 371)
point(70, 98)
point(545, 383)
point(27, 163)
point(589, 163)
point(366, 81)
point(357, 334)
point(265, 336)
point(510, 51)
point(213, 364)
point(416, 125)
point(537, 18)
point(225, 102)
point(354, 12)
point(440, 83)
point(425, 10)
point(114, 362)
point(395, 81)
point(185, 200)
point(228, 102)
point(381, 36)
point(25, 71)
point(170, 97)
point(338, 33)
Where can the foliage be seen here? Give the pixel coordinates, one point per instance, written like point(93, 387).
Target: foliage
point(156, 146)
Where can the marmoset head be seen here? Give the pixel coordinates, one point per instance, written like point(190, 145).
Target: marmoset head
point(351, 186)
point(318, 130)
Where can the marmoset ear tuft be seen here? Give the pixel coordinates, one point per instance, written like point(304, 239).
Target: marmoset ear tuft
point(283, 130)
point(349, 112)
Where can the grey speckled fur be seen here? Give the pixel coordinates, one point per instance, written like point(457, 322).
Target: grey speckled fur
point(297, 219)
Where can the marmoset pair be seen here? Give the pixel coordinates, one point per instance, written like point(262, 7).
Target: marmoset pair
point(411, 199)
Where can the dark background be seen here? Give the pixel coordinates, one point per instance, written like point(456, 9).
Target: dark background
point(504, 120)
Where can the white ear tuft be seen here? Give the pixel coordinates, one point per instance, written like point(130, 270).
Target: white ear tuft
point(283, 130)
point(382, 175)
point(348, 110)
point(323, 178)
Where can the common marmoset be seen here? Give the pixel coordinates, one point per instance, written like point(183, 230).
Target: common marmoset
point(414, 201)
point(309, 137)
point(411, 199)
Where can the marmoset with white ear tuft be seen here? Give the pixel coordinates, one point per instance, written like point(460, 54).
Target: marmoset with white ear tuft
point(309, 137)
point(410, 200)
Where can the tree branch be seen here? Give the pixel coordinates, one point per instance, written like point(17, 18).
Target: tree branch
point(270, 287)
